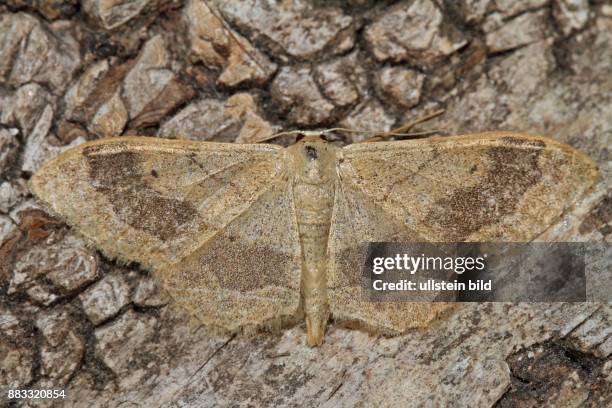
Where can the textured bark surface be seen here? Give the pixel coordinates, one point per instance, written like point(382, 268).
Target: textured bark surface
point(239, 71)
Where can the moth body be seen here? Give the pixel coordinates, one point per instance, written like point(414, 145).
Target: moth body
point(314, 180)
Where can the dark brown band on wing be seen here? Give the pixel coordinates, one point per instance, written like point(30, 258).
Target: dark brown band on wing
point(120, 177)
point(515, 169)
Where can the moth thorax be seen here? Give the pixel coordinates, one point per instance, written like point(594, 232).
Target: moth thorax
point(313, 190)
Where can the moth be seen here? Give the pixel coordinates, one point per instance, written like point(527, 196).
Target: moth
point(257, 235)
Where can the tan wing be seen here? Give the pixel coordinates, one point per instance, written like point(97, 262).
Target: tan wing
point(498, 186)
point(163, 202)
point(250, 272)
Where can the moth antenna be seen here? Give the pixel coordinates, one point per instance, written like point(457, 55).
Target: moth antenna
point(341, 129)
point(379, 138)
point(402, 129)
point(275, 135)
point(230, 32)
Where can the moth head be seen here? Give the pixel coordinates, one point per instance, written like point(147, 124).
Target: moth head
point(313, 147)
point(312, 154)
